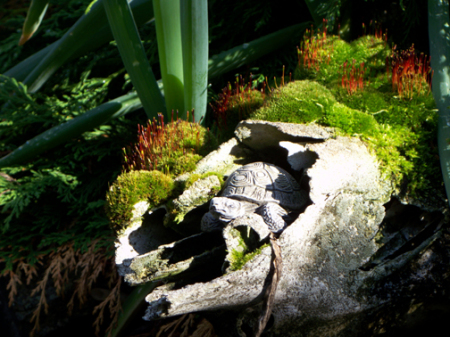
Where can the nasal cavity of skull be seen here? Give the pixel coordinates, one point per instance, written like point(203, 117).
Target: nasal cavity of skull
point(249, 237)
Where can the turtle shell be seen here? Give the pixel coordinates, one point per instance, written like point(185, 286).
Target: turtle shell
point(262, 183)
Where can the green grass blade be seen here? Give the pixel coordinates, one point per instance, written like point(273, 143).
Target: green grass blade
point(439, 33)
point(132, 306)
point(218, 65)
point(314, 7)
point(71, 129)
point(248, 52)
point(168, 35)
point(34, 17)
point(133, 56)
point(76, 42)
point(194, 32)
point(24, 68)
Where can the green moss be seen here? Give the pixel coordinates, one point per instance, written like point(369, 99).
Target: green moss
point(297, 102)
point(179, 163)
point(240, 257)
point(174, 148)
point(132, 187)
point(195, 137)
point(194, 177)
point(246, 248)
point(350, 121)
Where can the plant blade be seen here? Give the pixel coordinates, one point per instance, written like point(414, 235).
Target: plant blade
point(168, 35)
point(133, 56)
point(249, 52)
point(24, 68)
point(76, 42)
point(133, 304)
point(71, 129)
point(439, 33)
point(35, 14)
point(194, 32)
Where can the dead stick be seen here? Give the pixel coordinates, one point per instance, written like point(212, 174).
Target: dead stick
point(269, 294)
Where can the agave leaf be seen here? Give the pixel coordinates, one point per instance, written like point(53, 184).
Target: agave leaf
point(35, 14)
point(168, 35)
point(194, 32)
point(133, 305)
point(71, 129)
point(76, 42)
point(133, 56)
point(248, 52)
point(24, 68)
point(218, 65)
point(439, 33)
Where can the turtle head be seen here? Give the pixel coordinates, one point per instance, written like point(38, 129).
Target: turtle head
point(226, 209)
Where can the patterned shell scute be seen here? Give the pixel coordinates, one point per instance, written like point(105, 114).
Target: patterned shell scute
point(262, 183)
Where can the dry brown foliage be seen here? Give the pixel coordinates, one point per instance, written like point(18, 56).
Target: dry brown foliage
point(187, 326)
point(64, 266)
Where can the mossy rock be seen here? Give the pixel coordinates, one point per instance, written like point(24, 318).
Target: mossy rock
point(130, 188)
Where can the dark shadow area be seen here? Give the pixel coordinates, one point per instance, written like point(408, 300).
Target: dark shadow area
point(403, 229)
point(152, 227)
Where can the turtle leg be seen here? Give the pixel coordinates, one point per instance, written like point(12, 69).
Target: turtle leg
point(273, 215)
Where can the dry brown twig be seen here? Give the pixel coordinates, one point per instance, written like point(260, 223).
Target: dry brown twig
point(186, 323)
point(112, 301)
point(273, 279)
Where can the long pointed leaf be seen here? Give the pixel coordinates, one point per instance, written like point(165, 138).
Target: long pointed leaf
point(439, 33)
point(194, 32)
point(248, 52)
point(168, 35)
point(77, 42)
point(218, 65)
point(71, 129)
point(133, 56)
point(35, 14)
point(24, 68)
point(314, 6)
point(132, 305)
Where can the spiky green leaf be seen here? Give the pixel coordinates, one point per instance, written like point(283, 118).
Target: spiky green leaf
point(133, 56)
point(439, 32)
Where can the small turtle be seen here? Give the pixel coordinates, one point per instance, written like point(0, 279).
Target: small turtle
point(258, 187)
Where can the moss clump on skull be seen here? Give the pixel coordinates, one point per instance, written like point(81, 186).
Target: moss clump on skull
point(297, 102)
point(153, 187)
point(400, 132)
point(195, 177)
point(172, 148)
